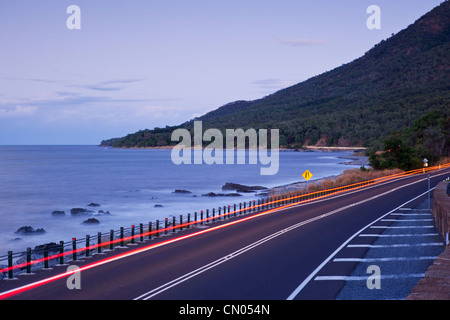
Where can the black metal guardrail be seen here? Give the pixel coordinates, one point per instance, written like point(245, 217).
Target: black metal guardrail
point(50, 254)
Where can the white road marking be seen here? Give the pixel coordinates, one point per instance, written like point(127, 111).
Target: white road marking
point(401, 227)
point(405, 220)
point(313, 274)
point(411, 214)
point(370, 260)
point(395, 245)
point(398, 235)
point(364, 278)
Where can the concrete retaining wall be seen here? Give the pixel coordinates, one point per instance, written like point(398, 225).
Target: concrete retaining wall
point(441, 209)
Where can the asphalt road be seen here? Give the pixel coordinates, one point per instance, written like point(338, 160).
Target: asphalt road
point(272, 256)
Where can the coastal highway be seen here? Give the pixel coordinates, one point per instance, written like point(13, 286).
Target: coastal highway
point(272, 255)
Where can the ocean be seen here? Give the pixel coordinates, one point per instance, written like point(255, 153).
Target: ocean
point(129, 186)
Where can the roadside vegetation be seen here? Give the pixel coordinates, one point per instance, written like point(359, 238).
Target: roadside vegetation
point(348, 177)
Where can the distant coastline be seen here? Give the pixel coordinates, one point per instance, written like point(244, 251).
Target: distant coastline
point(305, 148)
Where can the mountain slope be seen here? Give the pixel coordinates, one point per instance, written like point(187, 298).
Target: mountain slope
point(357, 104)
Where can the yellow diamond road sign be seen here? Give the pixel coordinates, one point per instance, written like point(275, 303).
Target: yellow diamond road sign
point(307, 175)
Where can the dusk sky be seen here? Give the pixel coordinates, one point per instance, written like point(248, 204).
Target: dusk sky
point(138, 64)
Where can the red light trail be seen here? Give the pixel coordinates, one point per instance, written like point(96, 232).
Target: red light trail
point(314, 196)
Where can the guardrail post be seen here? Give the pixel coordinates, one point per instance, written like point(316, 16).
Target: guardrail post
point(207, 215)
point(195, 218)
point(99, 242)
point(219, 218)
point(150, 230)
point(121, 237)
point(225, 212)
point(10, 264)
point(188, 220)
point(46, 257)
point(132, 233)
point(173, 224)
point(141, 231)
point(234, 209)
point(213, 214)
point(74, 249)
point(157, 228)
point(111, 239)
point(28, 260)
point(181, 222)
point(61, 252)
point(87, 245)
point(166, 224)
point(201, 217)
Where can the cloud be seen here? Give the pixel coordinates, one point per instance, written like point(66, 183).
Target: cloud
point(98, 87)
point(301, 42)
point(18, 111)
point(108, 85)
point(273, 84)
point(122, 81)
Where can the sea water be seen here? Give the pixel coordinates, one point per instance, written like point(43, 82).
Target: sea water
point(134, 185)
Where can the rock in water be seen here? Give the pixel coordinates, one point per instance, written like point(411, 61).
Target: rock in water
point(91, 221)
point(93, 204)
point(80, 212)
point(181, 191)
point(212, 194)
point(28, 230)
point(241, 187)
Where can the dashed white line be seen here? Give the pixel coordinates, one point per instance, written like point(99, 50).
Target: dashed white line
point(411, 214)
point(398, 235)
point(406, 220)
point(395, 245)
point(364, 278)
point(370, 260)
point(401, 227)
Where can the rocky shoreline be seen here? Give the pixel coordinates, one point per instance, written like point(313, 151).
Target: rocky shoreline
point(354, 160)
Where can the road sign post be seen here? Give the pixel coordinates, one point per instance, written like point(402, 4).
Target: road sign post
point(425, 164)
point(307, 175)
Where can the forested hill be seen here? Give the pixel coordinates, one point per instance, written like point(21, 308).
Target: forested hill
point(357, 104)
